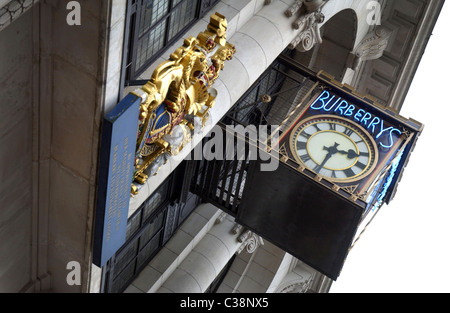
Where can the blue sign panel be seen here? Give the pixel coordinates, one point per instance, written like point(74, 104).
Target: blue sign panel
point(116, 169)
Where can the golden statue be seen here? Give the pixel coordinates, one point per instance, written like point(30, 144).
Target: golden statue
point(178, 93)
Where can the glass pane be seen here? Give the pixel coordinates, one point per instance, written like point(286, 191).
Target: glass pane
point(133, 224)
point(181, 17)
point(148, 250)
point(151, 43)
point(155, 201)
point(120, 282)
point(151, 12)
point(175, 2)
point(151, 230)
point(125, 257)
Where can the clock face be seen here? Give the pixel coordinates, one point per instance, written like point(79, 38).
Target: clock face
point(334, 148)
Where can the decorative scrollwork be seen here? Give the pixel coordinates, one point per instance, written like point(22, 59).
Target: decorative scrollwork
point(298, 287)
point(250, 241)
point(307, 23)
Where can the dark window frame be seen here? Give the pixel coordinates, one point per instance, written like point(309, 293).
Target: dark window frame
point(121, 262)
point(174, 207)
point(133, 34)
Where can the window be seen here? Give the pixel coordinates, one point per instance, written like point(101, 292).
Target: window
point(145, 230)
point(153, 26)
point(149, 228)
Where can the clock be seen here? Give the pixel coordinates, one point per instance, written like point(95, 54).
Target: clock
point(334, 148)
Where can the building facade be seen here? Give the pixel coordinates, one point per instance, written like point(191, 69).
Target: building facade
point(67, 64)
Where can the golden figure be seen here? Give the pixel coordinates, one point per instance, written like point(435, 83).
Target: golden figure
point(178, 92)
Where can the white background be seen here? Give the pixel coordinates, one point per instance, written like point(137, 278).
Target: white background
point(406, 249)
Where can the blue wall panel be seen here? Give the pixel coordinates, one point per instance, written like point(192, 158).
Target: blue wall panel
point(115, 175)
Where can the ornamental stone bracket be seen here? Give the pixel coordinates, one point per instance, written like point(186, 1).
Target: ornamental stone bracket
point(249, 240)
point(372, 46)
point(309, 16)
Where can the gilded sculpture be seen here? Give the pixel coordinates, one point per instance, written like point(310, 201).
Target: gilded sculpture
point(178, 97)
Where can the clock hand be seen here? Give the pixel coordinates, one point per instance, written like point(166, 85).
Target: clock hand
point(331, 151)
point(351, 154)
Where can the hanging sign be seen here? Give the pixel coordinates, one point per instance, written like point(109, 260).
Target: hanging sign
point(342, 156)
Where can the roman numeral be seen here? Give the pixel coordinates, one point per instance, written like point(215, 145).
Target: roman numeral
point(360, 165)
point(348, 132)
point(317, 127)
point(306, 135)
point(364, 154)
point(332, 126)
point(301, 145)
point(349, 172)
point(305, 158)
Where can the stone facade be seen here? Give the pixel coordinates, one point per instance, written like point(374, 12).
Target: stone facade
point(59, 80)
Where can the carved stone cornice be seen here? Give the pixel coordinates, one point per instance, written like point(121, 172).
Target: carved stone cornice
point(309, 16)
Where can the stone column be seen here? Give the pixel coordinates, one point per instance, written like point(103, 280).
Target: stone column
point(202, 265)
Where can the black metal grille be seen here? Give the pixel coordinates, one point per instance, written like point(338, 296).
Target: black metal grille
point(153, 26)
point(286, 87)
point(222, 182)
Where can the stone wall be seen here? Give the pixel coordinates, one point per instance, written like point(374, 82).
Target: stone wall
point(16, 153)
point(57, 80)
point(86, 63)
